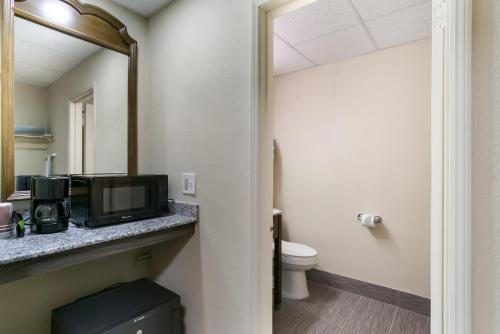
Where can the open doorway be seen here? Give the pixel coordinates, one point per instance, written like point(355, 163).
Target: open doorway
point(352, 168)
point(81, 134)
point(450, 133)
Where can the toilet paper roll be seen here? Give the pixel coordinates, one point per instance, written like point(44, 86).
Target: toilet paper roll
point(369, 221)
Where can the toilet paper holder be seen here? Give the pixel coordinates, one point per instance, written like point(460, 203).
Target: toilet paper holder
point(376, 219)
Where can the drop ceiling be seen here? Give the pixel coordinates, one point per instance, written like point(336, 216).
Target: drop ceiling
point(43, 55)
point(327, 31)
point(145, 8)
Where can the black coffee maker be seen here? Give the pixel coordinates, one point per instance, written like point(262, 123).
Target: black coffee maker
point(50, 210)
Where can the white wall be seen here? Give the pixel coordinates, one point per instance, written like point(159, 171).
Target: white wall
point(200, 122)
point(30, 105)
point(26, 304)
point(485, 173)
point(200, 68)
point(106, 72)
point(30, 108)
point(354, 137)
point(138, 29)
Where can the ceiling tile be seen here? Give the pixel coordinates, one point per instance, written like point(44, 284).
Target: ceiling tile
point(144, 7)
point(350, 42)
point(35, 74)
point(402, 27)
point(39, 35)
point(289, 60)
point(278, 43)
point(314, 20)
point(32, 82)
point(369, 9)
point(43, 57)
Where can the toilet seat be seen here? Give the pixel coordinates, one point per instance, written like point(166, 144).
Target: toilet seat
point(292, 249)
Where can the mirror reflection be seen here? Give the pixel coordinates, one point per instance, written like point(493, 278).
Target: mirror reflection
point(70, 105)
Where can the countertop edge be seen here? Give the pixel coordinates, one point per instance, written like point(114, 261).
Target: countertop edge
point(127, 233)
point(59, 259)
point(34, 246)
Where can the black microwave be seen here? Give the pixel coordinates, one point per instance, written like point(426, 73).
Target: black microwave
point(98, 200)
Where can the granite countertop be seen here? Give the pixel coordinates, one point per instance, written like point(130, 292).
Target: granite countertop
point(33, 246)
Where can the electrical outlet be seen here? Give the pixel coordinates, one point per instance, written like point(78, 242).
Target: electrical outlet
point(144, 258)
point(189, 183)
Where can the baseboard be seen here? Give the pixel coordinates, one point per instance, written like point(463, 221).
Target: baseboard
point(387, 295)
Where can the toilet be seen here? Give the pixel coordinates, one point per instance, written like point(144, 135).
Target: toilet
point(295, 260)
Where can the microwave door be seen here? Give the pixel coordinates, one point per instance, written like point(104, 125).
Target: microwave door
point(120, 202)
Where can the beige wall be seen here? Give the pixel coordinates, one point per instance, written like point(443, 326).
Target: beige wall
point(354, 137)
point(200, 122)
point(485, 173)
point(106, 72)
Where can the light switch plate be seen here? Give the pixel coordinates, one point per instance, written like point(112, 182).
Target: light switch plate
point(189, 183)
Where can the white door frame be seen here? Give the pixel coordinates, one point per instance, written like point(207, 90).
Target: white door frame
point(451, 176)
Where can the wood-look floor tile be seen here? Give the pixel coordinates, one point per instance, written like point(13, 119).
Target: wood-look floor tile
point(338, 307)
point(329, 304)
point(332, 311)
point(333, 329)
point(370, 317)
point(407, 322)
point(289, 320)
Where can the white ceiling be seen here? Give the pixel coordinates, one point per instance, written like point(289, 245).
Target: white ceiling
point(330, 30)
point(144, 7)
point(43, 55)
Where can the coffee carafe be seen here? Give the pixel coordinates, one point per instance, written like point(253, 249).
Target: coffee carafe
point(50, 210)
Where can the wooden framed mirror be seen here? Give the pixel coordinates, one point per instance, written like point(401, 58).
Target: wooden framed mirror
point(48, 48)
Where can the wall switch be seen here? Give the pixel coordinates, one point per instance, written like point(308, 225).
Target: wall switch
point(189, 183)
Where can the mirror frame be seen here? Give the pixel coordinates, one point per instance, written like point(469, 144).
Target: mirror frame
point(83, 21)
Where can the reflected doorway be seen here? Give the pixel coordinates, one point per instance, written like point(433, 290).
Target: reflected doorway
point(81, 133)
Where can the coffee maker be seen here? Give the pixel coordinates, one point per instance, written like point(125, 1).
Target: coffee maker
point(50, 211)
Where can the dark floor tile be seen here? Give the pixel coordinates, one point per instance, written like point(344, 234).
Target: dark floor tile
point(333, 329)
point(370, 317)
point(316, 300)
point(338, 306)
point(407, 322)
point(289, 320)
point(283, 316)
point(329, 304)
point(333, 311)
point(320, 313)
point(309, 327)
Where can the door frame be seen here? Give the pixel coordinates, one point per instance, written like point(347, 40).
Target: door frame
point(451, 164)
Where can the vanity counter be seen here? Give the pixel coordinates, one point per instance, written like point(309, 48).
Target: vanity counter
point(38, 253)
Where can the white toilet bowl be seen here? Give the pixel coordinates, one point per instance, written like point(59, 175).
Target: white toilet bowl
point(295, 260)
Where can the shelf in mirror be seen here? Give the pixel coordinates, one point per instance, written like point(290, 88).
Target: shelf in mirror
point(35, 139)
